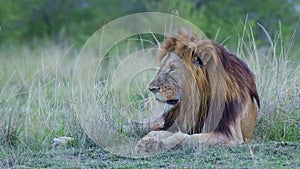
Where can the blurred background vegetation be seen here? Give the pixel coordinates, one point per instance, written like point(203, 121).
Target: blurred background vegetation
point(73, 21)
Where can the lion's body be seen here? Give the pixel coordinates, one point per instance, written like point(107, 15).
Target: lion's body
point(211, 92)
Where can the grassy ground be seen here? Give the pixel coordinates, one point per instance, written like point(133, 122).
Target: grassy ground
point(37, 104)
point(263, 155)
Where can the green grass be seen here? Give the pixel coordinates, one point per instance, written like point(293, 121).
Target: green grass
point(37, 104)
point(269, 155)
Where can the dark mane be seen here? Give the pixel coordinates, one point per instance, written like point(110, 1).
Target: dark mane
point(245, 80)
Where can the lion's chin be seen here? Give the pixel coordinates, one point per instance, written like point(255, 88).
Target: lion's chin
point(168, 105)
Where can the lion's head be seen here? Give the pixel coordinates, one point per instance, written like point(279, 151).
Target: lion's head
point(204, 86)
point(168, 83)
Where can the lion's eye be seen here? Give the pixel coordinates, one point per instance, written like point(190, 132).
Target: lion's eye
point(172, 68)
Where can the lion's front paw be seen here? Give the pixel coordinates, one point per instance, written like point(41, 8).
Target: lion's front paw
point(148, 144)
point(152, 142)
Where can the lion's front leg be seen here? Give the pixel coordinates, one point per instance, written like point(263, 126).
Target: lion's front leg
point(163, 140)
point(159, 140)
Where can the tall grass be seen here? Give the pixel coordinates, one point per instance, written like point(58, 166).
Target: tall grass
point(278, 80)
point(35, 97)
point(36, 100)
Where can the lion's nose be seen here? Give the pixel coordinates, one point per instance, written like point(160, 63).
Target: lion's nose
point(154, 89)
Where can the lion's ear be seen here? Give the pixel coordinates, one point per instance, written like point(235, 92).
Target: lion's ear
point(203, 53)
point(202, 58)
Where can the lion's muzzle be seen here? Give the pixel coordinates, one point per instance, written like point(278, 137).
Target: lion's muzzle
point(165, 88)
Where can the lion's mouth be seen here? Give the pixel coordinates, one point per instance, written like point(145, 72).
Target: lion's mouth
point(169, 101)
point(172, 102)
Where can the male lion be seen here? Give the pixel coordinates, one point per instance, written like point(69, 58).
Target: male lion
point(210, 95)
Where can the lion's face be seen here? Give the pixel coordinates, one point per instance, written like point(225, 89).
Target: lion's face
point(167, 84)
